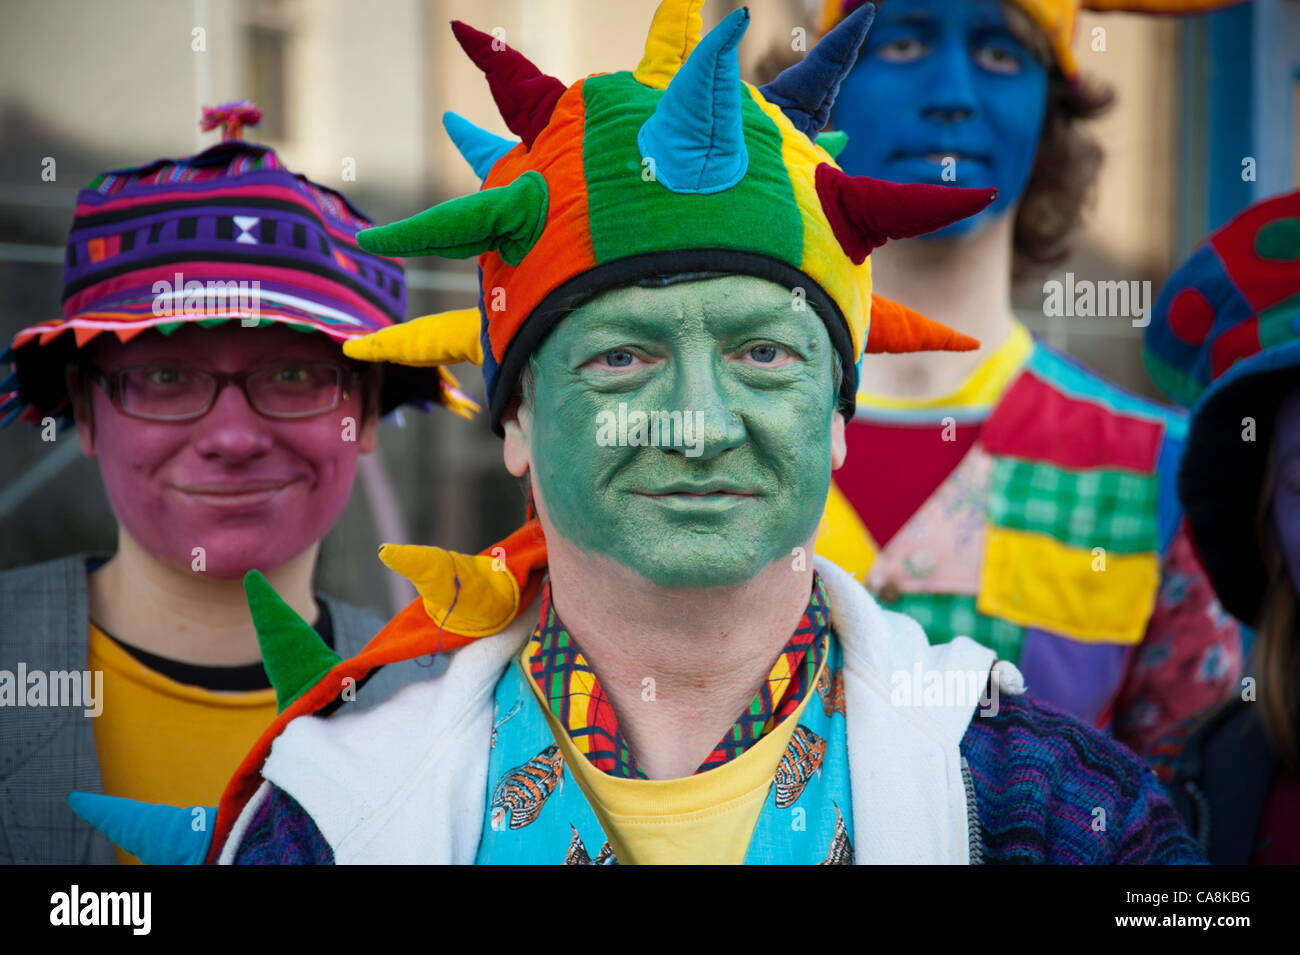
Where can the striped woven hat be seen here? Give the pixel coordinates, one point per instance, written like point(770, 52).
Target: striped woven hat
point(227, 234)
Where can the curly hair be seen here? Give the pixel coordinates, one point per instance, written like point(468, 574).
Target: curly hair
point(1067, 162)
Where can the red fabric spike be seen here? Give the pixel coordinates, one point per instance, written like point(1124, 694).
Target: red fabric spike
point(896, 328)
point(524, 94)
point(865, 213)
point(126, 334)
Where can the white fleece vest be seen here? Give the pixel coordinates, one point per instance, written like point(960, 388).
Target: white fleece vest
point(406, 782)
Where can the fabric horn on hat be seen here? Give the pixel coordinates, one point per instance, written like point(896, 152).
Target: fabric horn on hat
point(506, 219)
point(806, 91)
point(674, 32)
point(895, 328)
point(865, 213)
point(480, 148)
point(446, 338)
point(524, 94)
point(695, 138)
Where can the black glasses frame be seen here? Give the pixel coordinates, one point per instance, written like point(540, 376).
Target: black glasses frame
point(111, 382)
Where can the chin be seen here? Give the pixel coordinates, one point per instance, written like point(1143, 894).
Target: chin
point(702, 568)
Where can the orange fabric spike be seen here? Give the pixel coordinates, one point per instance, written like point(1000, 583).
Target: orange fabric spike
point(53, 333)
point(84, 335)
point(126, 334)
point(895, 328)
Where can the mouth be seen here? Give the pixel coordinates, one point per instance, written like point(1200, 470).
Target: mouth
point(700, 497)
point(234, 494)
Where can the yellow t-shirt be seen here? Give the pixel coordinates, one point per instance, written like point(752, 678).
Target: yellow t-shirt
point(161, 741)
point(704, 819)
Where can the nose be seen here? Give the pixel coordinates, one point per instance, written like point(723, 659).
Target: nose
point(716, 425)
point(951, 97)
point(232, 429)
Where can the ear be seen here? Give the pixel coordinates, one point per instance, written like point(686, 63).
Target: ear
point(516, 422)
point(82, 408)
point(369, 436)
point(839, 446)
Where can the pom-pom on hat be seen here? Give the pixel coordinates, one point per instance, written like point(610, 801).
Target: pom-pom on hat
point(1057, 18)
point(178, 241)
point(676, 166)
point(1225, 338)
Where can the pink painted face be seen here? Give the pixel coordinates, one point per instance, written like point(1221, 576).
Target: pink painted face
point(252, 491)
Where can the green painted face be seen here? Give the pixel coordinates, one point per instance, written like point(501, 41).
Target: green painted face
point(685, 432)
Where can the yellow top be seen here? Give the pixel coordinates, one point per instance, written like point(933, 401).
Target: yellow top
point(161, 741)
point(705, 819)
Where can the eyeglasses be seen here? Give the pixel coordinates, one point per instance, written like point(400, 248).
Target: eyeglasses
point(173, 391)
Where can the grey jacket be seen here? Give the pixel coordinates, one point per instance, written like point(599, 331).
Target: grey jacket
point(48, 751)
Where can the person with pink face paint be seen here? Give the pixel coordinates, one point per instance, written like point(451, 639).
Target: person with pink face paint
point(199, 354)
point(1225, 340)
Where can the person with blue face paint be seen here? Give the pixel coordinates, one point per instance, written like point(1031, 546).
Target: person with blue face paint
point(1029, 503)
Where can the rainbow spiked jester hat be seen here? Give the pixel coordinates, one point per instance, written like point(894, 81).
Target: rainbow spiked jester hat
point(228, 233)
point(675, 167)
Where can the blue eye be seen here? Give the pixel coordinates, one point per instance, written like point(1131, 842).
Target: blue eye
point(764, 354)
point(997, 59)
point(619, 358)
point(902, 50)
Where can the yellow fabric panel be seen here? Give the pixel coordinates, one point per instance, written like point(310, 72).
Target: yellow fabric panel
point(983, 388)
point(823, 259)
point(166, 742)
point(843, 539)
point(1035, 581)
point(706, 819)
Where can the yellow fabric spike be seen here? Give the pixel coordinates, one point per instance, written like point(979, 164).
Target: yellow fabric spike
point(446, 338)
point(453, 398)
point(462, 593)
point(673, 34)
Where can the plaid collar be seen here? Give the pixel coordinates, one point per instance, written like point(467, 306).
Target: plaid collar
point(579, 703)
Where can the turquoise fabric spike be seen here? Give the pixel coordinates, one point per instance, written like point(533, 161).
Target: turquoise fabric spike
point(806, 91)
point(156, 835)
point(833, 141)
point(294, 655)
point(695, 137)
point(480, 148)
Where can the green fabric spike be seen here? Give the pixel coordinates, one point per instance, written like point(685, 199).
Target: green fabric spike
point(833, 141)
point(168, 327)
point(294, 655)
point(212, 322)
point(506, 219)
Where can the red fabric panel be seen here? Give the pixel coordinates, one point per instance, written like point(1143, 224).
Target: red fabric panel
point(893, 469)
point(1036, 421)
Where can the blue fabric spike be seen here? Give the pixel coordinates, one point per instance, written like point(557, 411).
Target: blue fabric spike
point(10, 417)
point(480, 148)
point(806, 91)
point(7, 354)
point(157, 835)
point(10, 381)
point(695, 137)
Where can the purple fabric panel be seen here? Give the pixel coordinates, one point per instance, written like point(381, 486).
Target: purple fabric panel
point(1080, 678)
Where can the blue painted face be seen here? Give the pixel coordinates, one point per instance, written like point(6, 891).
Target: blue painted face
point(944, 78)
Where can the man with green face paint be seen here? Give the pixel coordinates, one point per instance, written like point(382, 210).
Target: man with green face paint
point(674, 302)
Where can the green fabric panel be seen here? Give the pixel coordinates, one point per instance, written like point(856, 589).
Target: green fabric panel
point(1279, 240)
point(945, 616)
point(758, 214)
point(1085, 509)
point(1277, 322)
point(1179, 385)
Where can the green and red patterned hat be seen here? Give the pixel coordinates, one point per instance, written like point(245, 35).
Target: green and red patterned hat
point(1225, 340)
point(677, 166)
point(227, 234)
